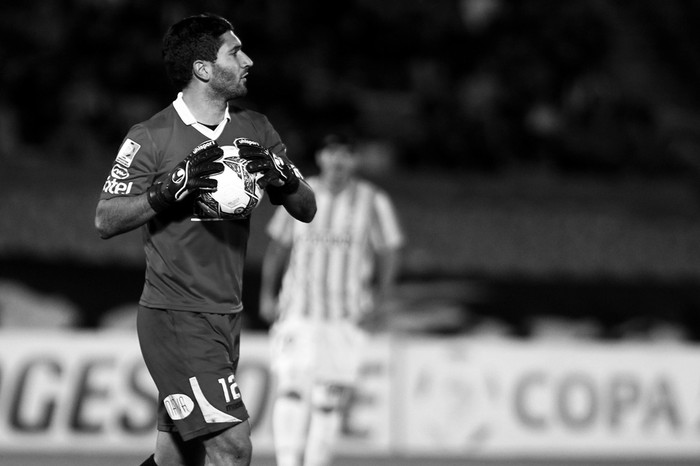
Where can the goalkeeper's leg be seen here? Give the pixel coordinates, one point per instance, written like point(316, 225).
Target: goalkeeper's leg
point(327, 404)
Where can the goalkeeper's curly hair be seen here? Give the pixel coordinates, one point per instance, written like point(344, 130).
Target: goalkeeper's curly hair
point(193, 38)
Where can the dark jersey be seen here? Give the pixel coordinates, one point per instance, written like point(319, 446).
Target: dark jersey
point(190, 265)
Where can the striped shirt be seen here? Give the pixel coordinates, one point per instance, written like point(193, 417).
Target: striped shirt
point(332, 258)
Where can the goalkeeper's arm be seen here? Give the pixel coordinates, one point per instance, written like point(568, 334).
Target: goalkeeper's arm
point(121, 214)
point(280, 178)
point(301, 204)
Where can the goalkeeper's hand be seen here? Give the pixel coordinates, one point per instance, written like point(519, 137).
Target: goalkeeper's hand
point(188, 176)
point(279, 177)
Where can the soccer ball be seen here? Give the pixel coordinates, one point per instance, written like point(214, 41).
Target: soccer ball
point(237, 192)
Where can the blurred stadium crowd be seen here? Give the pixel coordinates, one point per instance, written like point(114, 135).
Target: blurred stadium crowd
point(462, 90)
point(486, 84)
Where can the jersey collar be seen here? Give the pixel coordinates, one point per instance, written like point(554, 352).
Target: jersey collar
point(187, 118)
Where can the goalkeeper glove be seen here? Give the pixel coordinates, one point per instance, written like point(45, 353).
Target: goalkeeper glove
point(279, 177)
point(188, 176)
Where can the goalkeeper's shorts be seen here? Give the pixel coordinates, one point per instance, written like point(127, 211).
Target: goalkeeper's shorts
point(192, 358)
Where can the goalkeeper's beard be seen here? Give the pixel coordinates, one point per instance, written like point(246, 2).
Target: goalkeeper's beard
point(228, 85)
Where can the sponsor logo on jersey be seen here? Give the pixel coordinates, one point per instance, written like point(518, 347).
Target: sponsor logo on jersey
point(118, 172)
point(117, 187)
point(127, 152)
point(178, 406)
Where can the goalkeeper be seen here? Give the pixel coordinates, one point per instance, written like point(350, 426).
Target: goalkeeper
point(189, 316)
point(341, 270)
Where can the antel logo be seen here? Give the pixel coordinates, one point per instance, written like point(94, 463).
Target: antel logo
point(117, 187)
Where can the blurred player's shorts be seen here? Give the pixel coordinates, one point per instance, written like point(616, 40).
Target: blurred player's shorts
point(304, 351)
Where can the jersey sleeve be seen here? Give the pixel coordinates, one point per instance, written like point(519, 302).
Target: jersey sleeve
point(386, 232)
point(134, 166)
point(274, 143)
point(271, 138)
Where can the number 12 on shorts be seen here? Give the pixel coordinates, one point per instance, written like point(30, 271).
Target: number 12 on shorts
point(231, 391)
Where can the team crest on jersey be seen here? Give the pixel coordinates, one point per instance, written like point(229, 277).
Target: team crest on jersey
point(127, 152)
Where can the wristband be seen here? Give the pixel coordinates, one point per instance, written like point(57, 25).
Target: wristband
point(278, 193)
point(156, 199)
point(291, 186)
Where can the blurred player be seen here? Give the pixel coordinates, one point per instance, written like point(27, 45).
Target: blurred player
point(189, 313)
point(335, 273)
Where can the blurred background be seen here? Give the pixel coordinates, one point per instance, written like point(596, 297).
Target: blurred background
point(544, 156)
